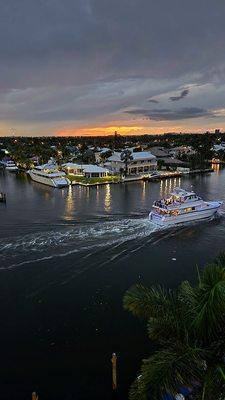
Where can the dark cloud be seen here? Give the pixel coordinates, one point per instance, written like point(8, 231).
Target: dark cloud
point(62, 55)
point(70, 42)
point(153, 101)
point(183, 94)
point(172, 115)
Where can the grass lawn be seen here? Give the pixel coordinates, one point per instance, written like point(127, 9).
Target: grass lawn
point(82, 179)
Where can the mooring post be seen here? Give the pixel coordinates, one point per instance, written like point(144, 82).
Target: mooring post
point(34, 396)
point(114, 371)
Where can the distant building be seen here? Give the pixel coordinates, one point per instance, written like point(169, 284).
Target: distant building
point(219, 147)
point(72, 149)
point(159, 152)
point(142, 162)
point(182, 150)
point(5, 151)
point(172, 162)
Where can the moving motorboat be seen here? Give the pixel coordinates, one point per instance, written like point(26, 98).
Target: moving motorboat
point(182, 206)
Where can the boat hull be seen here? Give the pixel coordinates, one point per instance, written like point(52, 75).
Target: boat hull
point(53, 182)
point(12, 169)
point(209, 212)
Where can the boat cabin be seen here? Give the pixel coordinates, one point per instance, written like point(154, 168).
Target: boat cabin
point(179, 201)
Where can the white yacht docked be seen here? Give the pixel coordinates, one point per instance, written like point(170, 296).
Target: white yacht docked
point(182, 206)
point(10, 166)
point(48, 174)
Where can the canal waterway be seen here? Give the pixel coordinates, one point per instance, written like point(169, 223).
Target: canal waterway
point(66, 259)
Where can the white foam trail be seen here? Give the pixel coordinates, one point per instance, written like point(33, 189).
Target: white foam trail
point(117, 235)
point(36, 242)
point(109, 234)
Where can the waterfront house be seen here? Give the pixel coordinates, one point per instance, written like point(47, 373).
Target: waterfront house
point(180, 150)
point(142, 162)
point(86, 170)
point(166, 158)
point(159, 152)
point(172, 163)
point(101, 153)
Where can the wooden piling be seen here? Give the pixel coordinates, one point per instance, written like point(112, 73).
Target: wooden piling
point(2, 197)
point(114, 371)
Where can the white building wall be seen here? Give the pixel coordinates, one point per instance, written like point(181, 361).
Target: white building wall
point(141, 167)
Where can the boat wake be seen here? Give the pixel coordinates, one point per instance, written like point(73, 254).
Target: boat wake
point(76, 239)
point(85, 240)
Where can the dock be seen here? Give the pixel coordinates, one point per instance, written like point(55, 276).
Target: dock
point(175, 174)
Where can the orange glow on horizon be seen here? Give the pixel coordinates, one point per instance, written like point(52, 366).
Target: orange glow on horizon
point(101, 131)
point(110, 130)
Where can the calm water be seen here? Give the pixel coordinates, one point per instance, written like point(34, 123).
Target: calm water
point(66, 259)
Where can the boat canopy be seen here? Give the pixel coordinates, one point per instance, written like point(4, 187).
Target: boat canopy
point(182, 192)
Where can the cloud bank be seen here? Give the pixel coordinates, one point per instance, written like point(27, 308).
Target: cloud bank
point(88, 62)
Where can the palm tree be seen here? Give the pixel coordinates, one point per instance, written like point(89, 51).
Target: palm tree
point(126, 157)
point(188, 325)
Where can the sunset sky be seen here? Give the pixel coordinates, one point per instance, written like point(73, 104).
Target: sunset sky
point(89, 67)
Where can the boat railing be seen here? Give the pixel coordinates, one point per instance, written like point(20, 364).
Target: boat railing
point(159, 204)
point(166, 203)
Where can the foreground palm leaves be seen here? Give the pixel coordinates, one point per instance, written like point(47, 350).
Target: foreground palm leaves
point(189, 327)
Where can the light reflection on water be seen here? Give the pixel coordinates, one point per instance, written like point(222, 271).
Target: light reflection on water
point(216, 168)
point(167, 185)
point(97, 196)
point(69, 205)
point(143, 191)
point(108, 197)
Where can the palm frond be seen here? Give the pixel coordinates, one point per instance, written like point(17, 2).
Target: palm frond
point(220, 259)
point(144, 302)
point(138, 390)
point(210, 307)
point(169, 323)
point(213, 386)
point(188, 297)
point(167, 370)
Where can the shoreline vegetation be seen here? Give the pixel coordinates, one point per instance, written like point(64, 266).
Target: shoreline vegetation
point(188, 327)
point(25, 149)
point(93, 181)
point(172, 152)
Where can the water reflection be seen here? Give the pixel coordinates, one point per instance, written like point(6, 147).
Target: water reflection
point(108, 198)
point(46, 195)
point(167, 185)
point(216, 167)
point(69, 205)
point(87, 193)
point(97, 195)
point(143, 194)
